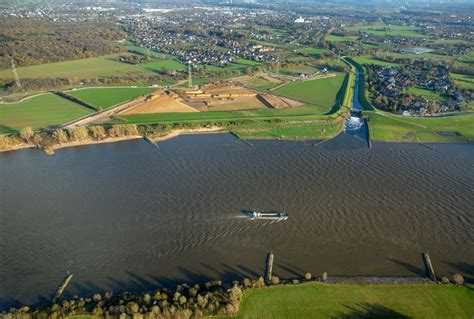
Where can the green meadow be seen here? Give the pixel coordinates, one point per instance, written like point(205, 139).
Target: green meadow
point(369, 59)
point(318, 300)
point(107, 97)
point(43, 111)
point(428, 94)
point(160, 65)
point(464, 81)
point(313, 52)
point(337, 38)
point(423, 56)
point(321, 92)
point(392, 30)
point(104, 66)
point(320, 129)
point(389, 127)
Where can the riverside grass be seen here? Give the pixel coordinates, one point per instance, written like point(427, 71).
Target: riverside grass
point(394, 128)
point(319, 300)
point(42, 111)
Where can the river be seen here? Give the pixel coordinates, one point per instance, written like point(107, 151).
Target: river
point(129, 216)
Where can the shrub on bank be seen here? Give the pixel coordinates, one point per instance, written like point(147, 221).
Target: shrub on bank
point(458, 279)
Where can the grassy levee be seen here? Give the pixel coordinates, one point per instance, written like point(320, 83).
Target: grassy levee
point(395, 128)
point(363, 93)
point(107, 97)
point(42, 111)
point(318, 300)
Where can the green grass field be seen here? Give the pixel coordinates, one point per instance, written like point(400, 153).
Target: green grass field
point(337, 38)
point(109, 96)
point(463, 80)
point(169, 64)
point(320, 92)
point(44, 111)
point(368, 59)
point(430, 95)
point(388, 127)
point(317, 300)
point(313, 52)
point(287, 130)
point(423, 56)
point(104, 66)
point(392, 30)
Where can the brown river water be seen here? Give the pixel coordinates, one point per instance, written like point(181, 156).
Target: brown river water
point(129, 216)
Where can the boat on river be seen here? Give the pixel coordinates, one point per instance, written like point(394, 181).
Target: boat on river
point(268, 215)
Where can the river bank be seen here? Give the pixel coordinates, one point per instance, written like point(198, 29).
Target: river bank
point(163, 137)
point(272, 299)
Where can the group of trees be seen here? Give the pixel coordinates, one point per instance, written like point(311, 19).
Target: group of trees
point(36, 41)
point(214, 298)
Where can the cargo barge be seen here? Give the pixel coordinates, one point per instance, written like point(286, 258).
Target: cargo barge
point(268, 215)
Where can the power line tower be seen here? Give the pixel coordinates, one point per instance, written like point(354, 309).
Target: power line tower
point(190, 75)
point(17, 79)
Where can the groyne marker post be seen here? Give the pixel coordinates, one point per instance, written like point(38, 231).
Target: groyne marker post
point(269, 267)
point(62, 286)
point(428, 266)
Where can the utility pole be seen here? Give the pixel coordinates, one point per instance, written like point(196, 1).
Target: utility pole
point(190, 75)
point(17, 79)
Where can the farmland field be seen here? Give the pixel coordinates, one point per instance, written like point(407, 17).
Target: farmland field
point(320, 92)
point(337, 38)
point(109, 96)
point(430, 95)
point(169, 64)
point(368, 59)
point(316, 300)
point(424, 56)
point(43, 111)
point(313, 52)
point(388, 127)
point(104, 66)
point(393, 30)
point(463, 80)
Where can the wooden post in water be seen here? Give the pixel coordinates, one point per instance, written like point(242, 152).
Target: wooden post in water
point(269, 267)
point(428, 266)
point(62, 286)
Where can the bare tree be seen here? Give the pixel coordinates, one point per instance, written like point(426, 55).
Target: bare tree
point(26, 134)
point(98, 132)
point(60, 136)
point(78, 133)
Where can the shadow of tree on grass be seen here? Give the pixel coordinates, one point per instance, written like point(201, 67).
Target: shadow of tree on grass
point(368, 310)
